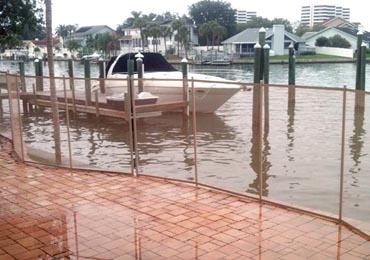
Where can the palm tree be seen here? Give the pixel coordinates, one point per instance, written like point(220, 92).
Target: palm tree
point(220, 32)
point(71, 28)
point(62, 31)
point(166, 31)
point(155, 32)
point(205, 30)
point(139, 22)
point(176, 25)
point(183, 38)
point(53, 96)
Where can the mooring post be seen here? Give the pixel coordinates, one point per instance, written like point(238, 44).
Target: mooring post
point(291, 75)
point(70, 73)
point(358, 60)
point(102, 76)
point(257, 113)
point(184, 68)
point(363, 66)
point(39, 74)
point(256, 86)
point(87, 82)
point(266, 81)
point(140, 71)
point(360, 92)
point(22, 74)
point(262, 41)
point(71, 84)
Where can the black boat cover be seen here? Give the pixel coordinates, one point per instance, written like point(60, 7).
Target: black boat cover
point(153, 62)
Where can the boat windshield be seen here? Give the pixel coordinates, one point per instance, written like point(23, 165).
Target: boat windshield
point(153, 62)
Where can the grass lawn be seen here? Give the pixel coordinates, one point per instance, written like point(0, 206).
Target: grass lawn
point(301, 57)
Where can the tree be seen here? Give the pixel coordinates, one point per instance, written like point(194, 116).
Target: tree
point(183, 38)
point(73, 45)
point(18, 18)
point(301, 29)
point(62, 31)
point(259, 21)
point(287, 25)
point(206, 11)
point(155, 32)
point(339, 42)
point(336, 41)
point(322, 41)
point(176, 25)
point(140, 23)
point(205, 32)
point(166, 32)
point(65, 31)
point(53, 95)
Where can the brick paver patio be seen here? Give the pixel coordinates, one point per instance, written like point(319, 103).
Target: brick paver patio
point(48, 213)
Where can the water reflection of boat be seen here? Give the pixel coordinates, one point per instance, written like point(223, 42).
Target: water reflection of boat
point(164, 81)
point(163, 140)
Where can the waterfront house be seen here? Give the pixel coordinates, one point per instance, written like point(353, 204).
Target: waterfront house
point(242, 44)
point(86, 32)
point(131, 40)
point(350, 34)
point(338, 22)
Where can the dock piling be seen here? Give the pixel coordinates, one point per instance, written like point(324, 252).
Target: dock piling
point(87, 70)
point(102, 76)
point(140, 71)
point(39, 75)
point(184, 69)
point(358, 60)
point(70, 73)
point(291, 75)
point(256, 86)
point(262, 41)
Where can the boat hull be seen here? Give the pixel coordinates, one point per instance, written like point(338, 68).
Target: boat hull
point(209, 95)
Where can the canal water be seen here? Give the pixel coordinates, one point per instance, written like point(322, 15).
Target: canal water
point(301, 146)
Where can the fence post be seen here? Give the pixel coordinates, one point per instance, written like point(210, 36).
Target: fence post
point(342, 154)
point(132, 118)
point(23, 84)
point(194, 133)
point(266, 81)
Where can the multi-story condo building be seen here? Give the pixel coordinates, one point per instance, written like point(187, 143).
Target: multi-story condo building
point(243, 16)
point(316, 14)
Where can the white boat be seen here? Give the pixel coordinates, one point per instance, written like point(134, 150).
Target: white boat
point(164, 81)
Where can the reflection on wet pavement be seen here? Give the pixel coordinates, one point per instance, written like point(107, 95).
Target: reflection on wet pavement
point(48, 213)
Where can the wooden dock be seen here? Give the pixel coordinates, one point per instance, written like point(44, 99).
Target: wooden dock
point(79, 104)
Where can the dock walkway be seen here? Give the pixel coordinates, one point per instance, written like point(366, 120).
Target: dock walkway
point(53, 213)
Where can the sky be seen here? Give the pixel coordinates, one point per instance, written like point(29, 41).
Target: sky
point(115, 12)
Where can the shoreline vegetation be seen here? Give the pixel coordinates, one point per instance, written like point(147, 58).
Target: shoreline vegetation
point(283, 59)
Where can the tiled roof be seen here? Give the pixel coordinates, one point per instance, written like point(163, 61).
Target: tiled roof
point(88, 30)
point(250, 35)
